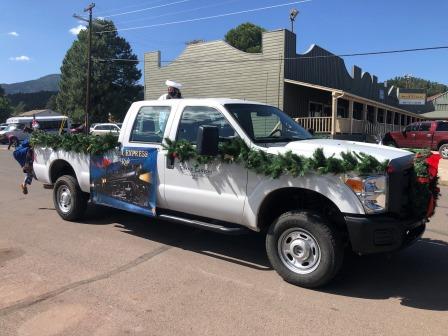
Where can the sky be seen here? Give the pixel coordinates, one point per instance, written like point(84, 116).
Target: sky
point(35, 35)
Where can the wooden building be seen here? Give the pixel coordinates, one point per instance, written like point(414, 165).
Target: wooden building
point(315, 87)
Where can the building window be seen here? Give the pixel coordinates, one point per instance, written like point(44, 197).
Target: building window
point(370, 113)
point(389, 117)
point(380, 117)
point(404, 120)
point(358, 111)
point(396, 119)
point(315, 110)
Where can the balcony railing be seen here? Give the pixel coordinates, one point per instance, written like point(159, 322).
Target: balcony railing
point(343, 125)
point(318, 124)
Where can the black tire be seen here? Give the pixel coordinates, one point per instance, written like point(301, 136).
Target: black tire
point(390, 143)
point(67, 187)
point(328, 249)
point(443, 150)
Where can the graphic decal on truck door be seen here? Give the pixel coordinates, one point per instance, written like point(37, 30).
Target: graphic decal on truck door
point(125, 179)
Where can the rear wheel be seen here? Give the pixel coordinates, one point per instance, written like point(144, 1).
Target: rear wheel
point(304, 249)
point(69, 200)
point(443, 150)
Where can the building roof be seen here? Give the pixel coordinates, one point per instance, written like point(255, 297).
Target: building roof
point(37, 112)
point(436, 115)
point(435, 96)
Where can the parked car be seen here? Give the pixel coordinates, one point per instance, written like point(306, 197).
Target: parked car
point(101, 129)
point(425, 134)
point(308, 220)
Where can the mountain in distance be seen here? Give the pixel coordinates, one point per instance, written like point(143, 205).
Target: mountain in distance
point(46, 83)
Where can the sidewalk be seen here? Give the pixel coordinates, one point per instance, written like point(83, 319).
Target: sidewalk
point(443, 172)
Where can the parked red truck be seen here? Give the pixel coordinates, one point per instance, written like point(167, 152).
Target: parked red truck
point(425, 134)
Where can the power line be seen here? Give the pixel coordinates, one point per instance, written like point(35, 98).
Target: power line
point(206, 17)
point(106, 11)
point(370, 53)
point(179, 12)
point(146, 9)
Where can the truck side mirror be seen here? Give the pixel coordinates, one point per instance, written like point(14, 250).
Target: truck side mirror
point(207, 140)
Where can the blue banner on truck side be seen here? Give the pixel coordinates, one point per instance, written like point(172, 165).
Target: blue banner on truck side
point(125, 179)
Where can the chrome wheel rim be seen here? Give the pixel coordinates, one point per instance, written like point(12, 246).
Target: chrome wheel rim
point(444, 152)
point(299, 251)
point(64, 197)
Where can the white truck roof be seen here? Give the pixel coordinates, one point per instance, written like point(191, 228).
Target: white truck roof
point(218, 101)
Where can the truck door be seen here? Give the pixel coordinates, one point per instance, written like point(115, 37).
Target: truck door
point(409, 135)
point(215, 190)
point(129, 179)
point(423, 137)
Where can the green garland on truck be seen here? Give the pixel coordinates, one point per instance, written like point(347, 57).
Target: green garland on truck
point(423, 187)
point(275, 165)
point(78, 143)
point(424, 190)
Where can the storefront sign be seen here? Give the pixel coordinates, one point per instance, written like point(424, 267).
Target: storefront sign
point(412, 98)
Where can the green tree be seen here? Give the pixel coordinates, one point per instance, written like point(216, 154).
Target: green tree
point(19, 108)
point(51, 103)
point(114, 84)
point(246, 37)
point(432, 88)
point(5, 109)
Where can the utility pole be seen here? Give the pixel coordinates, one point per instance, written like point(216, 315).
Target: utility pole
point(89, 9)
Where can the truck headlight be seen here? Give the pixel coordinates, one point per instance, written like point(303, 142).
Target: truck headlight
point(371, 191)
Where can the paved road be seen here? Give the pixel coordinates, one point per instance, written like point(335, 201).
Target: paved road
point(122, 274)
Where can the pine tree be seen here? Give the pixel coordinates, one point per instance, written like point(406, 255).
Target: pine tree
point(114, 84)
point(5, 108)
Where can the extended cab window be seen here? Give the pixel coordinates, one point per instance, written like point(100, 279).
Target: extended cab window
point(195, 116)
point(150, 123)
point(424, 127)
point(412, 127)
point(441, 127)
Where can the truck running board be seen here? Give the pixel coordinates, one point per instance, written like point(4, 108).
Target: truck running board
point(226, 229)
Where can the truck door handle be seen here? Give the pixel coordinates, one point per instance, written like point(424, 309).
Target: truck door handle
point(428, 135)
point(413, 134)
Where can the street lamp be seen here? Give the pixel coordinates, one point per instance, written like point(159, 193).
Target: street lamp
point(292, 16)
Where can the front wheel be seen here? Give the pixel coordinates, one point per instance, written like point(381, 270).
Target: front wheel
point(304, 249)
point(443, 150)
point(69, 200)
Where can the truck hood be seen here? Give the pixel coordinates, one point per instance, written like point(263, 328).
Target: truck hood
point(335, 147)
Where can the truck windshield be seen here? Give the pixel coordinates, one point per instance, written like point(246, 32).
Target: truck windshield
point(266, 124)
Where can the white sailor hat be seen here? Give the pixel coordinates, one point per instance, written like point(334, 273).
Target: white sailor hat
point(173, 84)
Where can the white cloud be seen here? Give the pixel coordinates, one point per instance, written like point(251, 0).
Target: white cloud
point(20, 59)
point(13, 33)
point(75, 30)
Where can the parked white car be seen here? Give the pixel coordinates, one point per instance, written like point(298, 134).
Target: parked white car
point(102, 129)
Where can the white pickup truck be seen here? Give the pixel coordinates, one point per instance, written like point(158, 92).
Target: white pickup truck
point(309, 221)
